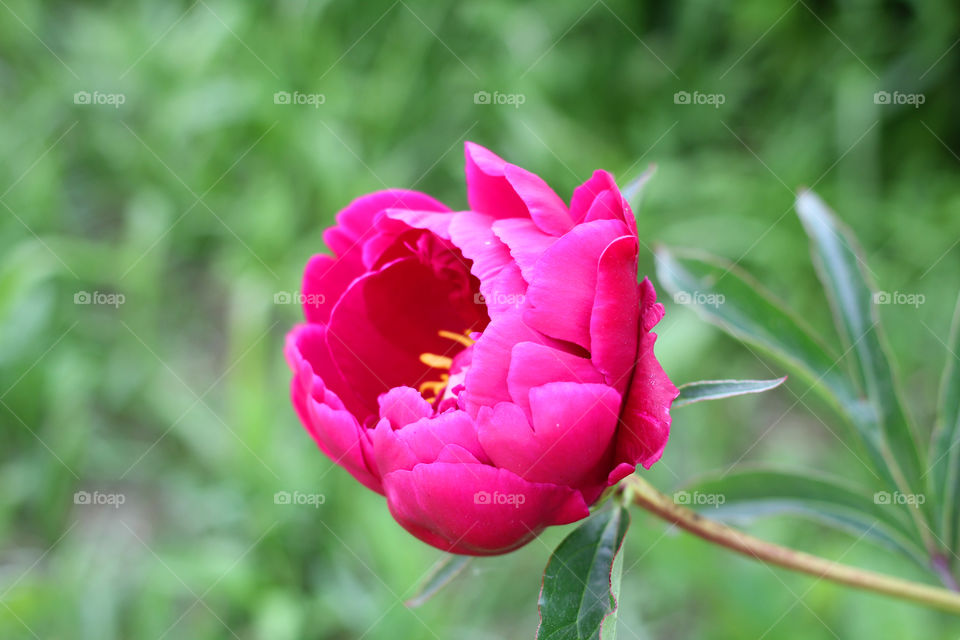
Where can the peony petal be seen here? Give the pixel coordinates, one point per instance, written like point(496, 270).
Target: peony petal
point(387, 318)
point(533, 365)
point(324, 281)
point(546, 208)
point(313, 367)
point(586, 193)
point(424, 440)
point(525, 241)
point(402, 405)
point(570, 442)
point(501, 284)
point(616, 313)
point(476, 509)
point(488, 190)
point(645, 421)
point(599, 198)
point(562, 293)
point(340, 436)
point(486, 380)
point(355, 222)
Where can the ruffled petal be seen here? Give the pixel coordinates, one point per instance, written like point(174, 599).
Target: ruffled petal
point(546, 208)
point(570, 441)
point(616, 312)
point(423, 441)
point(564, 285)
point(533, 365)
point(645, 420)
point(476, 509)
point(488, 190)
point(525, 241)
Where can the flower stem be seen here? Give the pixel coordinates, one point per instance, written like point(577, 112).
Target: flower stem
point(648, 497)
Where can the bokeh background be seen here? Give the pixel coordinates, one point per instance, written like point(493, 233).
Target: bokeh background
point(199, 199)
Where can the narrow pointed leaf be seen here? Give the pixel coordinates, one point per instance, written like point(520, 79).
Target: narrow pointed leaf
point(719, 389)
point(831, 501)
point(945, 453)
point(843, 274)
point(576, 598)
point(441, 574)
point(726, 296)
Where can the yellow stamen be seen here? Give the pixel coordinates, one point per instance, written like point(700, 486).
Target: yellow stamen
point(462, 338)
point(435, 361)
point(435, 387)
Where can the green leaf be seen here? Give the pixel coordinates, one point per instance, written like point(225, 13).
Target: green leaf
point(945, 452)
point(842, 272)
point(761, 492)
point(577, 597)
point(441, 574)
point(726, 296)
point(719, 389)
point(633, 192)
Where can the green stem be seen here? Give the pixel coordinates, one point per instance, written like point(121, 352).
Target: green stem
point(648, 497)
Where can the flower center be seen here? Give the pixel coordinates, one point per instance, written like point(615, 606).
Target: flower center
point(432, 390)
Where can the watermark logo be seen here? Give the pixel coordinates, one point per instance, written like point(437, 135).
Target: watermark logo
point(295, 297)
point(513, 99)
point(299, 498)
point(500, 299)
point(712, 99)
point(486, 498)
point(897, 297)
point(98, 498)
point(699, 297)
point(699, 499)
point(885, 97)
point(112, 99)
point(98, 297)
point(311, 99)
point(885, 497)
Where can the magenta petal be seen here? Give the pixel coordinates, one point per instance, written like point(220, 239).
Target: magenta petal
point(586, 193)
point(616, 312)
point(565, 279)
point(424, 440)
point(607, 206)
point(313, 367)
point(533, 365)
point(436, 222)
point(501, 284)
point(525, 241)
point(387, 318)
point(403, 405)
point(340, 436)
point(488, 190)
point(486, 380)
point(570, 440)
point(475, 509)
point(546, 208)
point(599, 198)
point(334, 428)
point(645, 425)
point(355, 222)
point(324, 281)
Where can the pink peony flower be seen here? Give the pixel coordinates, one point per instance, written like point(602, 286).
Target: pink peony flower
point(489, 371)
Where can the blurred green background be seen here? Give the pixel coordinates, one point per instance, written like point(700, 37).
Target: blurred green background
point(199, 198)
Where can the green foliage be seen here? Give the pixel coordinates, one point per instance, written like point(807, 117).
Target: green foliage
point(579, 593)
point(720, 389)
point(740, 307)
point(103, 199)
